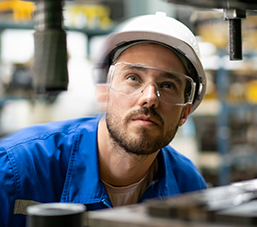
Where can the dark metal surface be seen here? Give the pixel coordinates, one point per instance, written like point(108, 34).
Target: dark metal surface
point(233, 205)
point(55, 215)
point(220, 4)
point(50, 58)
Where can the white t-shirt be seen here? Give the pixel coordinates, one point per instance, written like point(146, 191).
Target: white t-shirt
point(131, 194)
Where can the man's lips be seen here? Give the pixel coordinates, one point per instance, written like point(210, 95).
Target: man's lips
point(146, 119)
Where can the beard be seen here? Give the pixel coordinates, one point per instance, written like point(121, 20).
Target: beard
point(142, 144)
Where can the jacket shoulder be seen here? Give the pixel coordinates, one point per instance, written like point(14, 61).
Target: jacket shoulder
point(44, 131)
point(34, 153)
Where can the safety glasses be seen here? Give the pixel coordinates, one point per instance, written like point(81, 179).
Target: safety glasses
point(135, 79)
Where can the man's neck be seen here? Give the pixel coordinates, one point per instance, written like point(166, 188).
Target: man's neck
point(118, 167)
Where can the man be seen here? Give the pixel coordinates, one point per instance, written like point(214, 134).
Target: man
point(155, 80)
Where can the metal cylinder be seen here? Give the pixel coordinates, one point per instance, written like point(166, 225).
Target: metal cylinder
point(50, 73)
point(50, 61)
point(55, 215)
point(235, 39)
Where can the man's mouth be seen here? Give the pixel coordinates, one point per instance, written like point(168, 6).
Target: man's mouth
point(146, 119)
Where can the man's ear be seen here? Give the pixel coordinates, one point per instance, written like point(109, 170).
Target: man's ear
point(101, 93)
point(185, 113)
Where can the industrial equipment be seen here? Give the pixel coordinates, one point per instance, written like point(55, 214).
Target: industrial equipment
point(50, 57)
point(226, 206)
point(234, 11)
point(50, 72)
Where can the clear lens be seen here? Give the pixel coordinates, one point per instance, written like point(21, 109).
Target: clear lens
point(134, 79)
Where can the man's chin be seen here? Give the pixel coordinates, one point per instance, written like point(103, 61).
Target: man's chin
point(144, 133)
point(143, 144)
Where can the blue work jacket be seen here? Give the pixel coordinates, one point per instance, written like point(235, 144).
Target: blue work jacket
point(58, 162)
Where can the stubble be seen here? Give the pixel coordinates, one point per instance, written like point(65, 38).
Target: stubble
point(142, 144)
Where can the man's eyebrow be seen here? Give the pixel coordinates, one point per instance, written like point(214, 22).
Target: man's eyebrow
point(170, 75)
point(139, 68)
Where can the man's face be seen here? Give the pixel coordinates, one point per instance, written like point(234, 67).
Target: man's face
point(143, 124)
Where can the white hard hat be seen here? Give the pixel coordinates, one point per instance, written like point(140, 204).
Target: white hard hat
point(166, 31)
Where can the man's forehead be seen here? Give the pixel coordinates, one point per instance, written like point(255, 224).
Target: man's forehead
point(154, 55)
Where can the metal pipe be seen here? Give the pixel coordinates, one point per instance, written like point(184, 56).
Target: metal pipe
point(50, 59)
point(235, 32)
point(235, 39)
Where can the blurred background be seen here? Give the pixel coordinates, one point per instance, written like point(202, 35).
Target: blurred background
point(220, 137)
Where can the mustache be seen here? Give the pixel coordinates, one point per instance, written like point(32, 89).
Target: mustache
point(144, 111)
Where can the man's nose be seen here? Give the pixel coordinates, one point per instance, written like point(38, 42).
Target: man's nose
point(150, 96)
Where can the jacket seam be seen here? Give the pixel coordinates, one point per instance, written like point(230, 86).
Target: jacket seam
point(38, 138)
point(15, 172)
point(65, 194)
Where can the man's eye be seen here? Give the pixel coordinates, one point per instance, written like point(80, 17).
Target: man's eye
point(168, 85)
point(133, 78)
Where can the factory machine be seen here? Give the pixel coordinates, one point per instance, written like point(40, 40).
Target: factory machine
point(232, 205)
point(226, 206)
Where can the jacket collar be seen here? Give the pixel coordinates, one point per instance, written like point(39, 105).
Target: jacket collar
point(83, 183)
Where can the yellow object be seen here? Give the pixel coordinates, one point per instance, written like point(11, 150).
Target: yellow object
point(21, 10)
point(251, 93)
point(90, 16)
